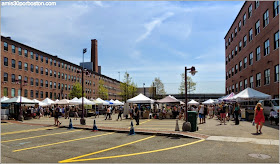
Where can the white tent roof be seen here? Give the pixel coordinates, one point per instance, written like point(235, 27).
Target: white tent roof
point(118, 102)
point(79, 102)
point(74, 99)
point(182, 103)
point(40, 103)
point(62, 102)
point(193, 102)
point(207, 102)
point(100, 101)
point(56, 100)
point(4, 98)
point(250, 94)
point(140, 99)
point(47, 101)
point(17, 100)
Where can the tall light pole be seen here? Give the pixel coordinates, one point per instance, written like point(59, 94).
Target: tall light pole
point(20, 116)
point(126, 97)
point(82, 120)
point(144, 88)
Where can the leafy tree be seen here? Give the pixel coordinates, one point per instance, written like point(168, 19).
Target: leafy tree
point(128, 88)
point(191, 86)
point(102, 91)
point(157, 88)
point(76, 91)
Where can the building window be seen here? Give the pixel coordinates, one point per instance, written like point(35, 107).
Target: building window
point(232, 88)
point(5, 46)
point(266, 76)
point(31, 55)
point(232, 54)
point(25, 53)
point(65, 77)
point(239, 26)
point(245, 62)
point(258, 53)
point(37, 56)
point(5, 61)
point(50, 61)
point(37, 94)
point(226, 60)
point(251, 58)
point(54, 62)
point(13, 78)
point(31, 81)
point(250, 35)
point(54, 73)
point(258, 29)
point(265, 18)
point(13, 92)
point(228, 41)
point(5, 91)
point(58, 64)
point(235, 31)
point(42, 58)
point(245, 41)
point(240, 45)
point(47, 60)
point(240, 85)
point(250, 11)
point(227, 76)
point(229, 57)
point(50, 95)
point(258, 80)
point(236, 87)
point(62, 65)
point(47, 94)
point(276, 8)
point(240, 66)
point(232, 71)
point(41, 83)
point(25, 66)
point(5, 76)
point(19, 51)
point(65, 87)
point(276, 40)
point(19, 65)
point(31, 93)
point(25, 79)
point(41, 94)
point(236, 69)
point(46, 83)
point(58, 74)
point(13, 49)
point(235, 50)
point(31, 68)
point(54, 84)
point(244, 19)
point(276, 73)
point(58, 85)
point(50, 84)
point(257, 4)
point(251, 82)
point(46, 71)
point(13, 63)
point(19, 77)
point(37, 82)
point(42, 70)
point(25, 93)
point(50, 72)
point(37, 69)
point(266, 47)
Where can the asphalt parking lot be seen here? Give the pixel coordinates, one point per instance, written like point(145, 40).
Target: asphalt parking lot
point(40, 144)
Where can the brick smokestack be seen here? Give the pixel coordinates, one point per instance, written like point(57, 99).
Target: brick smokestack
point(94, 55)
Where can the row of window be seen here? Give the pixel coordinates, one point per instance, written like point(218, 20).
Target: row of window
point(234, 88)
point(257, 24)
point(266, 49)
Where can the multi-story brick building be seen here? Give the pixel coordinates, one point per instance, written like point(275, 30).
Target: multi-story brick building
point(252, 49)
point(47, 75)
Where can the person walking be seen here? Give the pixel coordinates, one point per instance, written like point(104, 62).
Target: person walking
point(76, 114)
point(108, 113)
point(223, 114)
point(236, 113)
point(259, 117)
point(56, 115)
point(67, 111)
point(273, 117)
point(137, 115)
point(201, 113)
point(120, 113)
point(131, 112)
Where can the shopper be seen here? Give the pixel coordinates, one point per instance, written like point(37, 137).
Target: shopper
point(236, 113)
point(56, 115)
point(273, 117)
point(223, 114)
point(119, 113)
point(201, 113)
point(76, 114)
point(259, 117)
point(137, 115)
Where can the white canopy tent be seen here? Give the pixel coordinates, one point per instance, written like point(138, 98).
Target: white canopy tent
point(79, 102)
point(208, 102)
point(193, 102)
point(17, 100)
point(40, 103)
point(62, 102)
point(117, 102)
point(140, 99)
point(4, 98)
point(250, 94)
point(182, 103)
point(48, 101)
point(99, 101)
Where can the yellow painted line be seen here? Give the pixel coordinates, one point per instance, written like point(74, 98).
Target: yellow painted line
point(56, 143)
point(143, 122)
point(133, 154)
point(24, 131)
point(6, 124)
point(39, 136)
point(97, 152)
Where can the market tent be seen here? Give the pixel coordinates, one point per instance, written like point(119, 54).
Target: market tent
point(4, 98)
point(193, 102)
point(79, 102)
point(182, 103)
point(250, 94)
point(140, 99)
point(208, 102)
point(117, 102)
point(56, 100)
point(228, 97)
point(62, 102)
point(40, 103)
point(111, 103)
point(99, 101)
point(168, 99)
point(47, 101)
point(17, 100)
point(74, 99)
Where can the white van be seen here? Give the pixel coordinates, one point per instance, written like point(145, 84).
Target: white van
point(270, 104)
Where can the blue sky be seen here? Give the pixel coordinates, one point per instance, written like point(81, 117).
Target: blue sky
point(147, 39)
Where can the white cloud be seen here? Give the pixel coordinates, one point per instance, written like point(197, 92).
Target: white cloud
point(99, 3)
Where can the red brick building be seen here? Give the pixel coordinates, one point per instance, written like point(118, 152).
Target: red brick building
point(252, 49)
point(47, 75)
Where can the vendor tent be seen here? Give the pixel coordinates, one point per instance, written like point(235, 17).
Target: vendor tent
point(99, 101)
point(168, 99)
point(79, 102)
point(140, 99)
point(182, 103)
point(62, 102)
point(250, 94)
point(40, 103)
point(47, 101)
point(4, 98)
point(193, 102)
point(228, 97)
point(117, 102)
point(208, 102)
point(17, 100)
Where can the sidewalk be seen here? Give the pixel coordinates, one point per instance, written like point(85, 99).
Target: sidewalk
point(212, 130)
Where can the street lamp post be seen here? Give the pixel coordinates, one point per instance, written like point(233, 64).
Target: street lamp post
point(82, 120)
point(20, 116)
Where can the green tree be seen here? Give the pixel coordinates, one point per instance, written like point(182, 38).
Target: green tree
point(76, 91)
point(191, 86)
point(128, 88)
point(157, 88)
point(102, 91)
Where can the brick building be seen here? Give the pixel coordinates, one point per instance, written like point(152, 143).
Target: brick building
point(252, 49)
point(47, 75)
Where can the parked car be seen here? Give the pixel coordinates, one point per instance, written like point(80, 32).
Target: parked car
point(270, 104)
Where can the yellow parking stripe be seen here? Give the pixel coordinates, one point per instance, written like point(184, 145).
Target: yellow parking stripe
point(24, 131)
point(6, 124)
point(39, 136)
point(133, 154)
point(56, 143)
point(71, 159)
point(143, 122)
